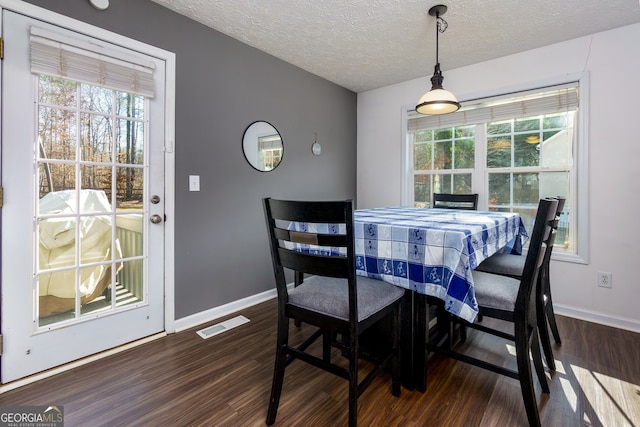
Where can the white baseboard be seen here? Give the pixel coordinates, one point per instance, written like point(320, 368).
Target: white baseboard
point(232, 307)
point(221, 311)
point(603, 319)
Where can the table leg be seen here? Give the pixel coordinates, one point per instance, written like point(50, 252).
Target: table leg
point(406, 341)
point(419, 341)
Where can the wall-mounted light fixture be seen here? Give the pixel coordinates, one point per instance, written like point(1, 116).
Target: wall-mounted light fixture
point(100, 4)
point(438, 100)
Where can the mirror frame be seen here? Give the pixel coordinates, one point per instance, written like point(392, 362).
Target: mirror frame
point(251, 143)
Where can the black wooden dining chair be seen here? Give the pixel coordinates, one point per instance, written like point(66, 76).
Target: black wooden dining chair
point(329, 296)
point(513, 266)
point(455, 201)
point(450, 201)
point(513, 300)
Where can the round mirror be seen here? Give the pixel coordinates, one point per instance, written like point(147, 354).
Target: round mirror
point(262, 146)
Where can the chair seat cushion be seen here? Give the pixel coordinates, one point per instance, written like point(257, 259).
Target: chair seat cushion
point(495, 291)
point(329, 296)
point(505, 264)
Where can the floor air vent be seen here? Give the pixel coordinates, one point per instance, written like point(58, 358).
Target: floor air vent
point(222, 327)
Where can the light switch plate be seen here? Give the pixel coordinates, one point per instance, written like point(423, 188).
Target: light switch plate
point(194, 182)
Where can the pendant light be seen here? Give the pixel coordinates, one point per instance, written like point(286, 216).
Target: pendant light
point(438, 100)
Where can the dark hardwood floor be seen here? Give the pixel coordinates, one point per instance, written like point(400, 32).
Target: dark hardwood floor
point(183, 380)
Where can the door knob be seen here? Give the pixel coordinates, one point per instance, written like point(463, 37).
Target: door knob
point(156, 219)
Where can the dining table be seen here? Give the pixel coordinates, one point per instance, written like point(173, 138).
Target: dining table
point(431, 253)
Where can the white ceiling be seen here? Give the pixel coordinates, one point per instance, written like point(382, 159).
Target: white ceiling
point(366, 44)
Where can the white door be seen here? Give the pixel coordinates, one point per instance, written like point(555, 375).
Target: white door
point(83, 213)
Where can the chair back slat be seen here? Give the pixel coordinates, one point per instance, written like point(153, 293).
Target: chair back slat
point(455, 201)
point(330, 212)
point(317, 239)
point(333, 266)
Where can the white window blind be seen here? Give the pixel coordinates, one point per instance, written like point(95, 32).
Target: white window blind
point(545, 101)
point(62, 56)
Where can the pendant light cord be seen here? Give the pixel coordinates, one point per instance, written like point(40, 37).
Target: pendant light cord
point(441, 27)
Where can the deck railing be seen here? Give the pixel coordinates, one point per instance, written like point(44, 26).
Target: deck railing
point(129, 232)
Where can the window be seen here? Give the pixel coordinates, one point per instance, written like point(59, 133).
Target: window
point(512, 150)
point(92, 165)
point(269, 152)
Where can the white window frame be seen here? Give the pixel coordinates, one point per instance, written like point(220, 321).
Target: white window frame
point(579, 225)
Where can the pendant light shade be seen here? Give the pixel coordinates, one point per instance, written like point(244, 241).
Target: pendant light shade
point(438, 100)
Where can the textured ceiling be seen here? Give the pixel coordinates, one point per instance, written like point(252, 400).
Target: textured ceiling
point(363, 45)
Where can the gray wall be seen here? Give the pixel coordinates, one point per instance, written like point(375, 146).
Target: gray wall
point(222, 85)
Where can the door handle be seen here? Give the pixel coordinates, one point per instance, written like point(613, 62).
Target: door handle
point(155, 219)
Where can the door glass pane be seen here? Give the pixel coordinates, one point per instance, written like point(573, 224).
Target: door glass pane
point(90, 255)
point(95, 239)
point(55, 176)
point(129, 105)
point(58, 129)
point(96, 177)
point(130, 149)
point(130, 140)
point(57, 91)
point(96, 137)
point(96, 99)
point(129, 187)
point(57, 248)
point(129, 289)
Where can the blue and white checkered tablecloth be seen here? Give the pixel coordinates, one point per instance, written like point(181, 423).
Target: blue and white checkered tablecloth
point(430, 251)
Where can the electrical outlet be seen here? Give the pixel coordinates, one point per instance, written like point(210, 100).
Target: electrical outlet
point(605, 280)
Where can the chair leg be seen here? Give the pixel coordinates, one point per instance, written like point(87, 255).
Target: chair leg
point(278, 370)
point(353, 380)
point(298, 277)
point(541, 320)
point(525, 376)
point(537, 362)
point(327, 337)
point(544, 340)
point(551, 317)
point(395, 357)
point(548, 307)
